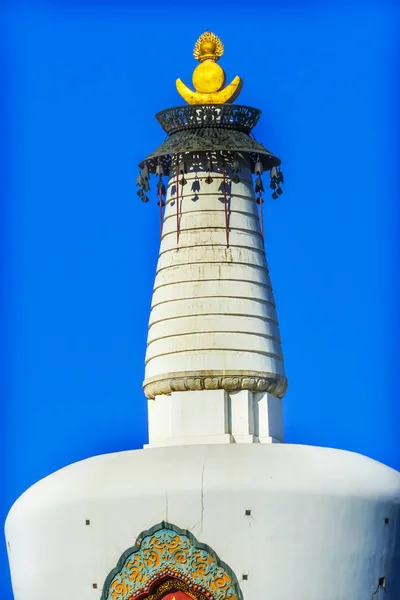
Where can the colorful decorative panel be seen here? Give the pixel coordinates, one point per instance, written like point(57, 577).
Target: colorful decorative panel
point(167, 559)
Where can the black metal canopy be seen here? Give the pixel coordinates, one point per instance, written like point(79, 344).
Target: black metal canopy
point(200, 129)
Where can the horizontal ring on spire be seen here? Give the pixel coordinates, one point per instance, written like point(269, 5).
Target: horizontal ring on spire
point(195, 116)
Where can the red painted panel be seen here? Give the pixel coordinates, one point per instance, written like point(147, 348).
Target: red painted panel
point(177, 595)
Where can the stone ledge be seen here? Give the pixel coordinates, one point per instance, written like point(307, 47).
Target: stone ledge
point(214, 380)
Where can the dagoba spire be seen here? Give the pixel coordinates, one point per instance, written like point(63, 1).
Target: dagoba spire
point(213, 325)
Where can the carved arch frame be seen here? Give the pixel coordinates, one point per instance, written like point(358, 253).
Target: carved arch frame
point(165, 559)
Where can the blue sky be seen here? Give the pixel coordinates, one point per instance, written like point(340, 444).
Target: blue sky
point(83, 81)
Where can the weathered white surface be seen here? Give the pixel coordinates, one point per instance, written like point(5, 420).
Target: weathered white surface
point(213, 309)
point(214, 417)
point(316, 531)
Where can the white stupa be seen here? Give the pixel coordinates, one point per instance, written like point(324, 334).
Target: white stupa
point(216, 506)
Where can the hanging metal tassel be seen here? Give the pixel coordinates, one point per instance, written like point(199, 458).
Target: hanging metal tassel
point(143, 187)
point(258, 186)
point(159, 170)
point(177, 206)
point(260, 202)
point(161, 192)
point(161, 186)
point(145, 178)
point(209, 169)
point(226, 208)
point(258, 168)
point(144, 198)
point(145, 171)
point(276, 179)
point(259, 189)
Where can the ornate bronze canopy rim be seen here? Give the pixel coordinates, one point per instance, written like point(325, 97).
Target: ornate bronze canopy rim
point(211, 133)
point(167, 160)
point(206, 141)
point(198, 116)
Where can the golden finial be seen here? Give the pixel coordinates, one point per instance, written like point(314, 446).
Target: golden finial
point(208, 46)
point(208, 77)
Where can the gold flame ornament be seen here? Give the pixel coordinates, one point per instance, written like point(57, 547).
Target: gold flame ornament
point(208, 77)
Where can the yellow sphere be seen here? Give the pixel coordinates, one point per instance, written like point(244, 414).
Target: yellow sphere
point(208, 47)
point(208, 77)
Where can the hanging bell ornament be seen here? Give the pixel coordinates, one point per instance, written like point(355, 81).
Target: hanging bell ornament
point(159, 170)
point(143, 184)
point(145, 171)
point(142, 196)
point(258, 169)
point(146, 185)
point(259, 186)
point(276, 178)
point(161, 187)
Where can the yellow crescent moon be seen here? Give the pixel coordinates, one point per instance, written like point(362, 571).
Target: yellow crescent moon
point(225, 96)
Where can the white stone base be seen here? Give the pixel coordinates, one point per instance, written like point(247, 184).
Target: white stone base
point(224, 438)
point(214, 417)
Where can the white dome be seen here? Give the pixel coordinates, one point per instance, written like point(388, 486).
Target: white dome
point(322, 522)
